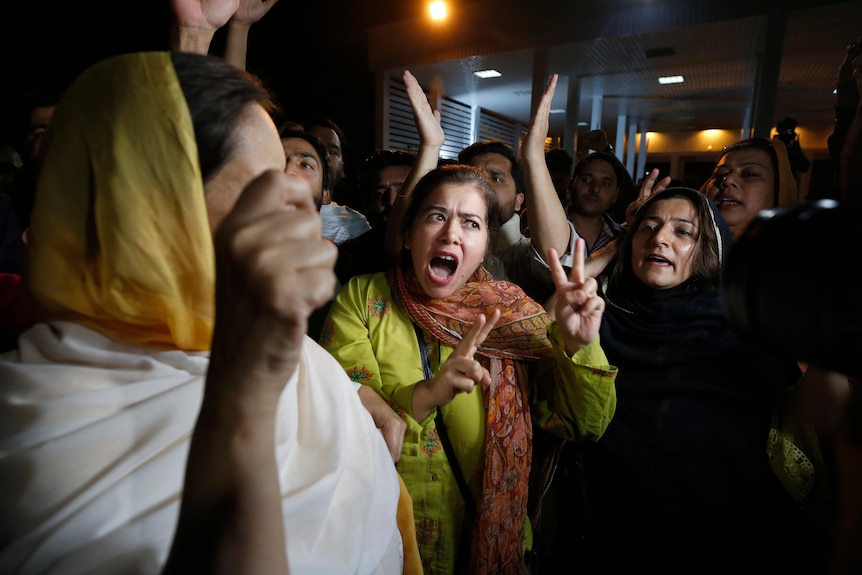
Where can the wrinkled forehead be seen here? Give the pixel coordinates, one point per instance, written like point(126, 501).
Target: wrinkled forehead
point(389, 174)
point(673, 209)
point(299, 145)
point(492, 161)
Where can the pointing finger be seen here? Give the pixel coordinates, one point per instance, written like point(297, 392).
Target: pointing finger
point(482, 326)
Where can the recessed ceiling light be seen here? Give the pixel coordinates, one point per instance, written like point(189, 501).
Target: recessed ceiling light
point(487, 73)
point(671, 80)
point(558, 110)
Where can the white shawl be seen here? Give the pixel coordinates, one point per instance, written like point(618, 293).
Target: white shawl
point(93, 442)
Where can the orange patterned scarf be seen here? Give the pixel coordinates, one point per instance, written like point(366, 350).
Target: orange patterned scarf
point(520, 335)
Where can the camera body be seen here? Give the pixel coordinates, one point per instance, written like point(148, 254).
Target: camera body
point(791, 282)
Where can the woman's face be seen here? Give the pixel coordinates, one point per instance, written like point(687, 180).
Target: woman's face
point(449, 238)
point(742, 184)
point(664, 244)
point(258, 149)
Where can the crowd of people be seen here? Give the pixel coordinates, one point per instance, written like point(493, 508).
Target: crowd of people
point(222, 355)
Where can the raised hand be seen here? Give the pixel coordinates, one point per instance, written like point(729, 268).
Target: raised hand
point(596, 140)
point(426, 117)
point(534, 139)
point(431, 138)
point(578, 308)
point(549, 227)
point(648, 188)
point(461, 372)
point(250, 11)
point(195, 22)
point(273, 268)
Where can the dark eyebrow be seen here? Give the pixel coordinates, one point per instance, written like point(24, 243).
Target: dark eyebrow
point(741, 165)
point(303, 154)
point(682, 220)
point(447, 211)
point(746, 164)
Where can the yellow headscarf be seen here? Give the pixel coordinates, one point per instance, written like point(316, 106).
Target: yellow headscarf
point(120, 240)
point(788, 191)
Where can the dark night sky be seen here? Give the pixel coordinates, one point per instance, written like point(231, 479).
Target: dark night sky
point(312, 54)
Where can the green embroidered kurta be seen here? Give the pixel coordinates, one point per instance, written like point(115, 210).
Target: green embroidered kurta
point(373, 338)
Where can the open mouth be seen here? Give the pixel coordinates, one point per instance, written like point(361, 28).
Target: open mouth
point(659, 260)
point(444, 266)
point(727, 201)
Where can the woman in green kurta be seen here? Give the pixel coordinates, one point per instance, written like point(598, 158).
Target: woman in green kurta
point(493, 365)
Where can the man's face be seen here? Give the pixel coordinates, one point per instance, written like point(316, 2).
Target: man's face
point(497, 169)
point(303, 162)
point(594, 190)
point(334, 153)
point(386, 187)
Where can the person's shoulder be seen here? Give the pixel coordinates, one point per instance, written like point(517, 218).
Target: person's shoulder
point(356, 216)
point(367, 283)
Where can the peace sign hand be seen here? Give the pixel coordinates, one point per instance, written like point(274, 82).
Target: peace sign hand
point(578, 308)
point(460, 373)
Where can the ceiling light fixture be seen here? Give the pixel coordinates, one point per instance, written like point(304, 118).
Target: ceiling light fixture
point(558, 110)
point(437, 10)
point(490, 73)
point(671, 80)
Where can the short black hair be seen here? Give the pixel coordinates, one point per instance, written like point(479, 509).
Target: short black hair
point(495, 147)
point(216, 94)
point(326, 122)
point(290, 129)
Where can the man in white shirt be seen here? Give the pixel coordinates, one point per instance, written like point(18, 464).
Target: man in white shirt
point(340, 223)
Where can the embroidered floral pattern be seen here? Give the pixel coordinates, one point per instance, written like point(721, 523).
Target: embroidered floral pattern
point(395, 407)
point(359, 374)
point(425, 529)
point(431, 445)
point(326, 333)
point(379, 307)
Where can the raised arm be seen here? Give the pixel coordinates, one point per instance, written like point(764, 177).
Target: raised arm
point(431, 139)
point(272, 269)
point(236, 44)
point(549, 227)
point(194, 23)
